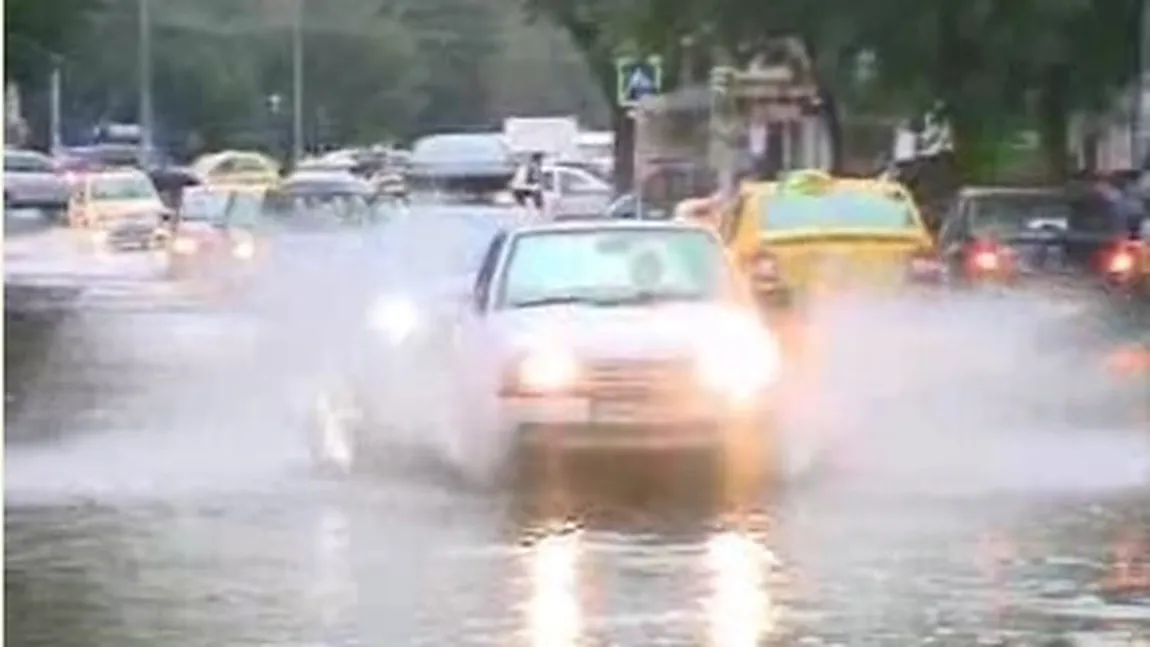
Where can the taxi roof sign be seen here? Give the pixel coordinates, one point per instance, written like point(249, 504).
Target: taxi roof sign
point(809, 181)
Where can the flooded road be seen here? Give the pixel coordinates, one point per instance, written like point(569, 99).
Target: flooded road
point(159, 491)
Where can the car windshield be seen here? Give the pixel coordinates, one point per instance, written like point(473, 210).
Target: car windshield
point(1006, 214)
point(613, 266)
point(838, 209)
point(128, 187)
point(26, 162)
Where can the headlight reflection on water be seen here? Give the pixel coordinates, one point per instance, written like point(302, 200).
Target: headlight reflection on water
point(554, 614)
point(332, 587)
point(740, 610)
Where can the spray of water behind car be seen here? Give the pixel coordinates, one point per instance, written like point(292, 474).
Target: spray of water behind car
point(973, 393)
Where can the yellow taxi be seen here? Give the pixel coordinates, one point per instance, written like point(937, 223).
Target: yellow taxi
point(237, 167)
point(120, 209)
point(215, 233)
point(811, 233)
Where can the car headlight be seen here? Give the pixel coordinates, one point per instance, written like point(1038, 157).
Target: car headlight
point(244, 249)
point(740, 367)
point(182, 245)
point(548, 370)
point(396, 319)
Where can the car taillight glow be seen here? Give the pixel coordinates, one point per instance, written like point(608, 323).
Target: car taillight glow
point(988, 257)
point(763, 267)
point(1123, 261)
point(987, 260)
point(184, 246)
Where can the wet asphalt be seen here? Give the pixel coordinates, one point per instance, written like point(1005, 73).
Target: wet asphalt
point(159, 492)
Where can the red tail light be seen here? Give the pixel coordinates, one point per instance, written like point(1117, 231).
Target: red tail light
point(763, 267)
point(988, 258)
point(1123, 261)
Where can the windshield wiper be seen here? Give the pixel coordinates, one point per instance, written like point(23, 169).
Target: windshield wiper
point(558, 301)
point(636, 299)
point(648, 298)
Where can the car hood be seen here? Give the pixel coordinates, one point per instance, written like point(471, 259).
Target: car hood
point(640, 332)
point(124, 208)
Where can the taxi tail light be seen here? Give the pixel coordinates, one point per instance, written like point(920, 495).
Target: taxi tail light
point(763, 267)
point(987, 257)
point(511, 385)
point(926, 266)
point(1122, 262)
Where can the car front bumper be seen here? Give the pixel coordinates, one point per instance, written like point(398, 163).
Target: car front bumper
point(131, 237)
point(573, 423)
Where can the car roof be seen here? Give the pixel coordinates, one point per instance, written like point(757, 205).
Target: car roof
point(605, 224)
point(26, 152)
point(325, 174)
point(254, 189)
point(977, 191)
point(117, 174)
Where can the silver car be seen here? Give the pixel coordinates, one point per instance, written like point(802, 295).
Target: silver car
point(32, 182)
point(573, 336)
point(573, 192)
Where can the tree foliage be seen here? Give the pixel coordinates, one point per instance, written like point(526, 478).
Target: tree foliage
point(992, 63)
point(34, 30)
point(222, 69)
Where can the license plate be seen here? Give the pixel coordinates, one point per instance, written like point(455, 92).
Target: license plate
point(628, 412)
point(1049, 257)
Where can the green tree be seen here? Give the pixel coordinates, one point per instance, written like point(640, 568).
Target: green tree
point(34, 30)
point(454, 41)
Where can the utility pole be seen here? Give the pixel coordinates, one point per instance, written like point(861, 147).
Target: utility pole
point(297, 83)
point(1141, 87)
point(55, 83)
point(145, 81)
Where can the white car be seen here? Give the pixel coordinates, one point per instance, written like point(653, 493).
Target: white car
point(580, 335)
point(573, 192)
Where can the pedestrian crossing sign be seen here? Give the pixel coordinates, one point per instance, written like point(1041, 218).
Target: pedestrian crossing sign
point(637, 78)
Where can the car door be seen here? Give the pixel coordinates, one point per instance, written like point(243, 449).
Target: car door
point(475, 357)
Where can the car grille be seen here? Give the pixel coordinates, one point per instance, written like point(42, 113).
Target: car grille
point(638, 380)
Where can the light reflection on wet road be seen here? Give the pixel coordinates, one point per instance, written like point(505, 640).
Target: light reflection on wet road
point(153, 498)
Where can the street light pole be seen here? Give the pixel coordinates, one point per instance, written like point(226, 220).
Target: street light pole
point(55, 89)
point(1141, 87)
point(297, 82)
point(145, 80)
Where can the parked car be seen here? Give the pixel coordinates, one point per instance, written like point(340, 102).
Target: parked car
point(32, 181)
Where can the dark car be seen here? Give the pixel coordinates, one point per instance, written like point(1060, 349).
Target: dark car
point(1033, 236)
point(311, 199)
point(474, 164)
